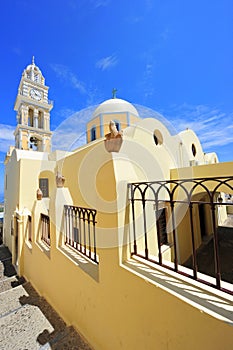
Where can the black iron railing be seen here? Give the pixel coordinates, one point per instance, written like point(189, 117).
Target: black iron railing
point(188, 206)
point(45, 228)
point(80, 230)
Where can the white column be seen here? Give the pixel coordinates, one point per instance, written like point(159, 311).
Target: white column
point(43, 144)
point(24, 117)
point(20, 139)
point(46, 121)
point(35, 117)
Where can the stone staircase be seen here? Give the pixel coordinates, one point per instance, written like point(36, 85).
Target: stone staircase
point(27, 321)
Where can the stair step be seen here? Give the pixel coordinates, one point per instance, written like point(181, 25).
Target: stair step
point(27, 321)
point(6, 283)
point(21, 328)
point(10, 300)
point(10, 282)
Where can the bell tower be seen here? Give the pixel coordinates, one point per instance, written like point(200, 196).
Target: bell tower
point(33, 112)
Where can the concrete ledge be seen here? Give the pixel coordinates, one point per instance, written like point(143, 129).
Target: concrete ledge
point(207, 299)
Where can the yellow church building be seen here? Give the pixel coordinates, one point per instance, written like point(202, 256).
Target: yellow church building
point(125, 235)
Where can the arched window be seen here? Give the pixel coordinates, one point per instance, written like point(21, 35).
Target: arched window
point(33, 143)
point(158, 137)
point(118, 125)
point(30, 117)
point(36, 144)
point(36, 77)
point(194, 151)
point(44, 186)
point(40, 120)
point(93, 133)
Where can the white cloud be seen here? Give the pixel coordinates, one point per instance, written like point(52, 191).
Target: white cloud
point(134, 19)
point(146, 83)
point(6, 132)
point(64, 73)
point(107, 62)
point(71, 133)
point(94, 95)
point(6, 137)
point(213, 127)
point(100, 3)
point(65, 113)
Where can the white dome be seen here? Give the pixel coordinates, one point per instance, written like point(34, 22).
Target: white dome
point(115, 105)
point(32, 66)
point(33, 73)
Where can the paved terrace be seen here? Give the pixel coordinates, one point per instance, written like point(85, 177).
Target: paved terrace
point(27, 321)
point(205, 254)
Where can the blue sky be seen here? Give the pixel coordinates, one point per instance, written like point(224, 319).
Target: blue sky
point(174, 57)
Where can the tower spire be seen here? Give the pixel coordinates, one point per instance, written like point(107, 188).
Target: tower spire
point(33, 59)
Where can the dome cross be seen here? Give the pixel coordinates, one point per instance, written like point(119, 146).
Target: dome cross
point(114, 91)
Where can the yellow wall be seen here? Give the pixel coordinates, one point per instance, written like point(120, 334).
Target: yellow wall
point(119, 117)
point(133, 119)
point(118, 309)
point(24, 140)
point(12, 176)
point(121, 310)
point(123, 118)
point(210, 170)
point(112, 306)
point(95, 122)
point(23, 174)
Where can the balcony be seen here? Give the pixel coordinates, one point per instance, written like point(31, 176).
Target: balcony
point(177, 224)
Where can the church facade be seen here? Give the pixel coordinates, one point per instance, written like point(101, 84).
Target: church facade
point(105, 232)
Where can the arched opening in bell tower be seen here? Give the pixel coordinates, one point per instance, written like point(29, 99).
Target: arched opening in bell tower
point(30, 117)
point(40, 120)
point(35, 144)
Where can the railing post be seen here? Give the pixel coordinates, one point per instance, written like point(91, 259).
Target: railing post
point(84, 230)
point(133, 217)
point(95, 255)
point(216, 249)
point(174, 236)
point(66, 223)
point(73, 226)
point(69, 216)
point(145, 227)
point(158, 228)
point(89, 233)
point(194, 256)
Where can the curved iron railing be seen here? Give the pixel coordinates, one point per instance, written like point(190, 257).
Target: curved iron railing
point(172, 193)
